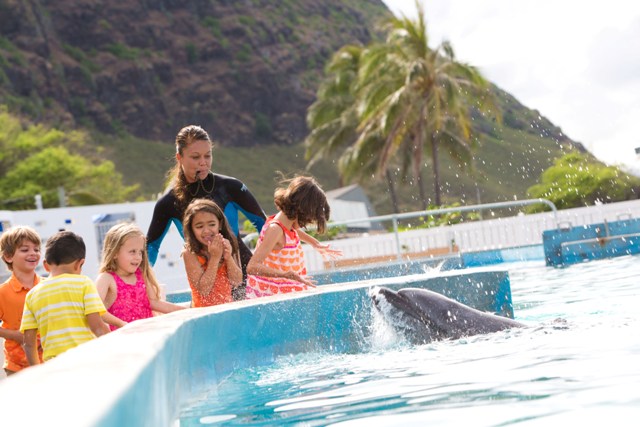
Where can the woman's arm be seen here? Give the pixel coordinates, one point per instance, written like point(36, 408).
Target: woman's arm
point(243, 200)
point(163, 211)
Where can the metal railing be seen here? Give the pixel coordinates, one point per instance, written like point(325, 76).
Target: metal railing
point(417, 214)
point(394, 218)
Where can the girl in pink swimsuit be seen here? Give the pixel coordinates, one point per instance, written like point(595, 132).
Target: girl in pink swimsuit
point(277, 265)
point(126, 283)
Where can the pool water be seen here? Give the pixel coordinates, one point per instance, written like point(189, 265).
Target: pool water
point(577, 362)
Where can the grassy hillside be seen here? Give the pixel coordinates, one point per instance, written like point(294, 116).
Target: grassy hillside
point(506, 167)
point(245, 71)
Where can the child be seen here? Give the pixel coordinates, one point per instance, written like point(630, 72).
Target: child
point(211, 255)
point(65, 307)
point(126, 283)
point(20, 250)
point(277, 265)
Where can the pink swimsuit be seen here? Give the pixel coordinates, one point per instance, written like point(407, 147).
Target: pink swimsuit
point(132, 302)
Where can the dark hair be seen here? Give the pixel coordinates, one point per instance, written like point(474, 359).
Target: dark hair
point(304, 201)
point(64, 247)
point(205, 205)
point(185, 136)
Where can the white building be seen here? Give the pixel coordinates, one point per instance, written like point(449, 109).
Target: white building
point(92, 223)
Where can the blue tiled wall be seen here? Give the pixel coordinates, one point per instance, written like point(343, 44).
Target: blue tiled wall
point(593, 241)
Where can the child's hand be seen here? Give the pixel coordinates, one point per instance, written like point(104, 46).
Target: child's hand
point(227, 250)
point(216, 247)
point(327, 253)
point(292, 275)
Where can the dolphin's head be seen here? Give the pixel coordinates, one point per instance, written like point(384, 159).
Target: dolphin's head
point(404, 314)
point(424, 315)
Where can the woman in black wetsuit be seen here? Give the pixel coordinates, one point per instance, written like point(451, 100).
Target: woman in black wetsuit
point(193, 179)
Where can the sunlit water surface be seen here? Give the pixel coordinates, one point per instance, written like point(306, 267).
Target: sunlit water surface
point(584, 370)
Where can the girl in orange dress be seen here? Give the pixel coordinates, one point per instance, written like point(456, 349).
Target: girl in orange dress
point(211, 256)
point(277, 265)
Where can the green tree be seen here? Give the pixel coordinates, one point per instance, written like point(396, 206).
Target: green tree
point(38, 160)
point(333, 120)
point(385, 104)
point(420, 98)
point(53, 167)
point(577, 180)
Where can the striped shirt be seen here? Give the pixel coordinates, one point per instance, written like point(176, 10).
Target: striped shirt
point(57, 308)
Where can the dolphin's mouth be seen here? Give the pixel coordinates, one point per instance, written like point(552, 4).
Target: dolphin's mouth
point(381, 295)
point(403, 314)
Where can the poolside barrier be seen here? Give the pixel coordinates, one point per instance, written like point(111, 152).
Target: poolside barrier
point(142, 374)
point(570, 245)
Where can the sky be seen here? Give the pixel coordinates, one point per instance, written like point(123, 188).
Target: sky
point(576, 62)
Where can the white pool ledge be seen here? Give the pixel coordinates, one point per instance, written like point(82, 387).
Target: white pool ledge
point(141, 374)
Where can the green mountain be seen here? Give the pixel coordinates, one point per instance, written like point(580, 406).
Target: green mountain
point(133, 73)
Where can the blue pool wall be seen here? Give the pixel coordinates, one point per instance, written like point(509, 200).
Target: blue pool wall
point(357, 273)
point(565, 246)
point(143, 373)
point(254, 333)
point(500, 256)
point(419, 266)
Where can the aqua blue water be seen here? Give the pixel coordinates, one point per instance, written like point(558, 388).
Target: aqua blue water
point(581, 370)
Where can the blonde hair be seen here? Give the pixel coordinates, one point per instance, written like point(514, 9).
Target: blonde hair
point(12, 238)
point(113, 241)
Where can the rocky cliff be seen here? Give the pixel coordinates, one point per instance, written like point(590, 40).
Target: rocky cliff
point(246, 70)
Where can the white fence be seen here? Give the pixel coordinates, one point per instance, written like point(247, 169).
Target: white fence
point(513, 231)
point(518, 230)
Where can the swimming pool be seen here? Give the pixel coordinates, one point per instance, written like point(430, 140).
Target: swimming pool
point(583, 369)
point(144, 372)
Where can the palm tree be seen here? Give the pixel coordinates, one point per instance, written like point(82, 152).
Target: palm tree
point(418, 98)
point(333, 121)
point(332, 117)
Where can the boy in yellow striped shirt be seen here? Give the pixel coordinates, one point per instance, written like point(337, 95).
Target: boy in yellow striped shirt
point(65, 307)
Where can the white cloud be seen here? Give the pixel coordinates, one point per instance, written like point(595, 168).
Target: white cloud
point(577, 62)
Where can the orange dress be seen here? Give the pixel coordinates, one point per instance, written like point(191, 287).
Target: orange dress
point(289, 258)
point(219, 294)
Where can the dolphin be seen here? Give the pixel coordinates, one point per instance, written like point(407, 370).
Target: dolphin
point(426, 316)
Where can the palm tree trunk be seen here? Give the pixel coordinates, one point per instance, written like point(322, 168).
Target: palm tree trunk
point(436, 170)
point(417, 160)
point(423, 193)
point(392, 190)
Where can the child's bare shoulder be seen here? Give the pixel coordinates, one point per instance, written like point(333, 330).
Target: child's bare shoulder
point(105, 279)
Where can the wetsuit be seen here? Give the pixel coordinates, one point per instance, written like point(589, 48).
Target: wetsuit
point(228, 192)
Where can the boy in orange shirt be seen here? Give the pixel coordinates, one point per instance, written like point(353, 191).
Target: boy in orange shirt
point(20, 250)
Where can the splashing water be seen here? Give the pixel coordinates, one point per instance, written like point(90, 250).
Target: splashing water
point(583, 370)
